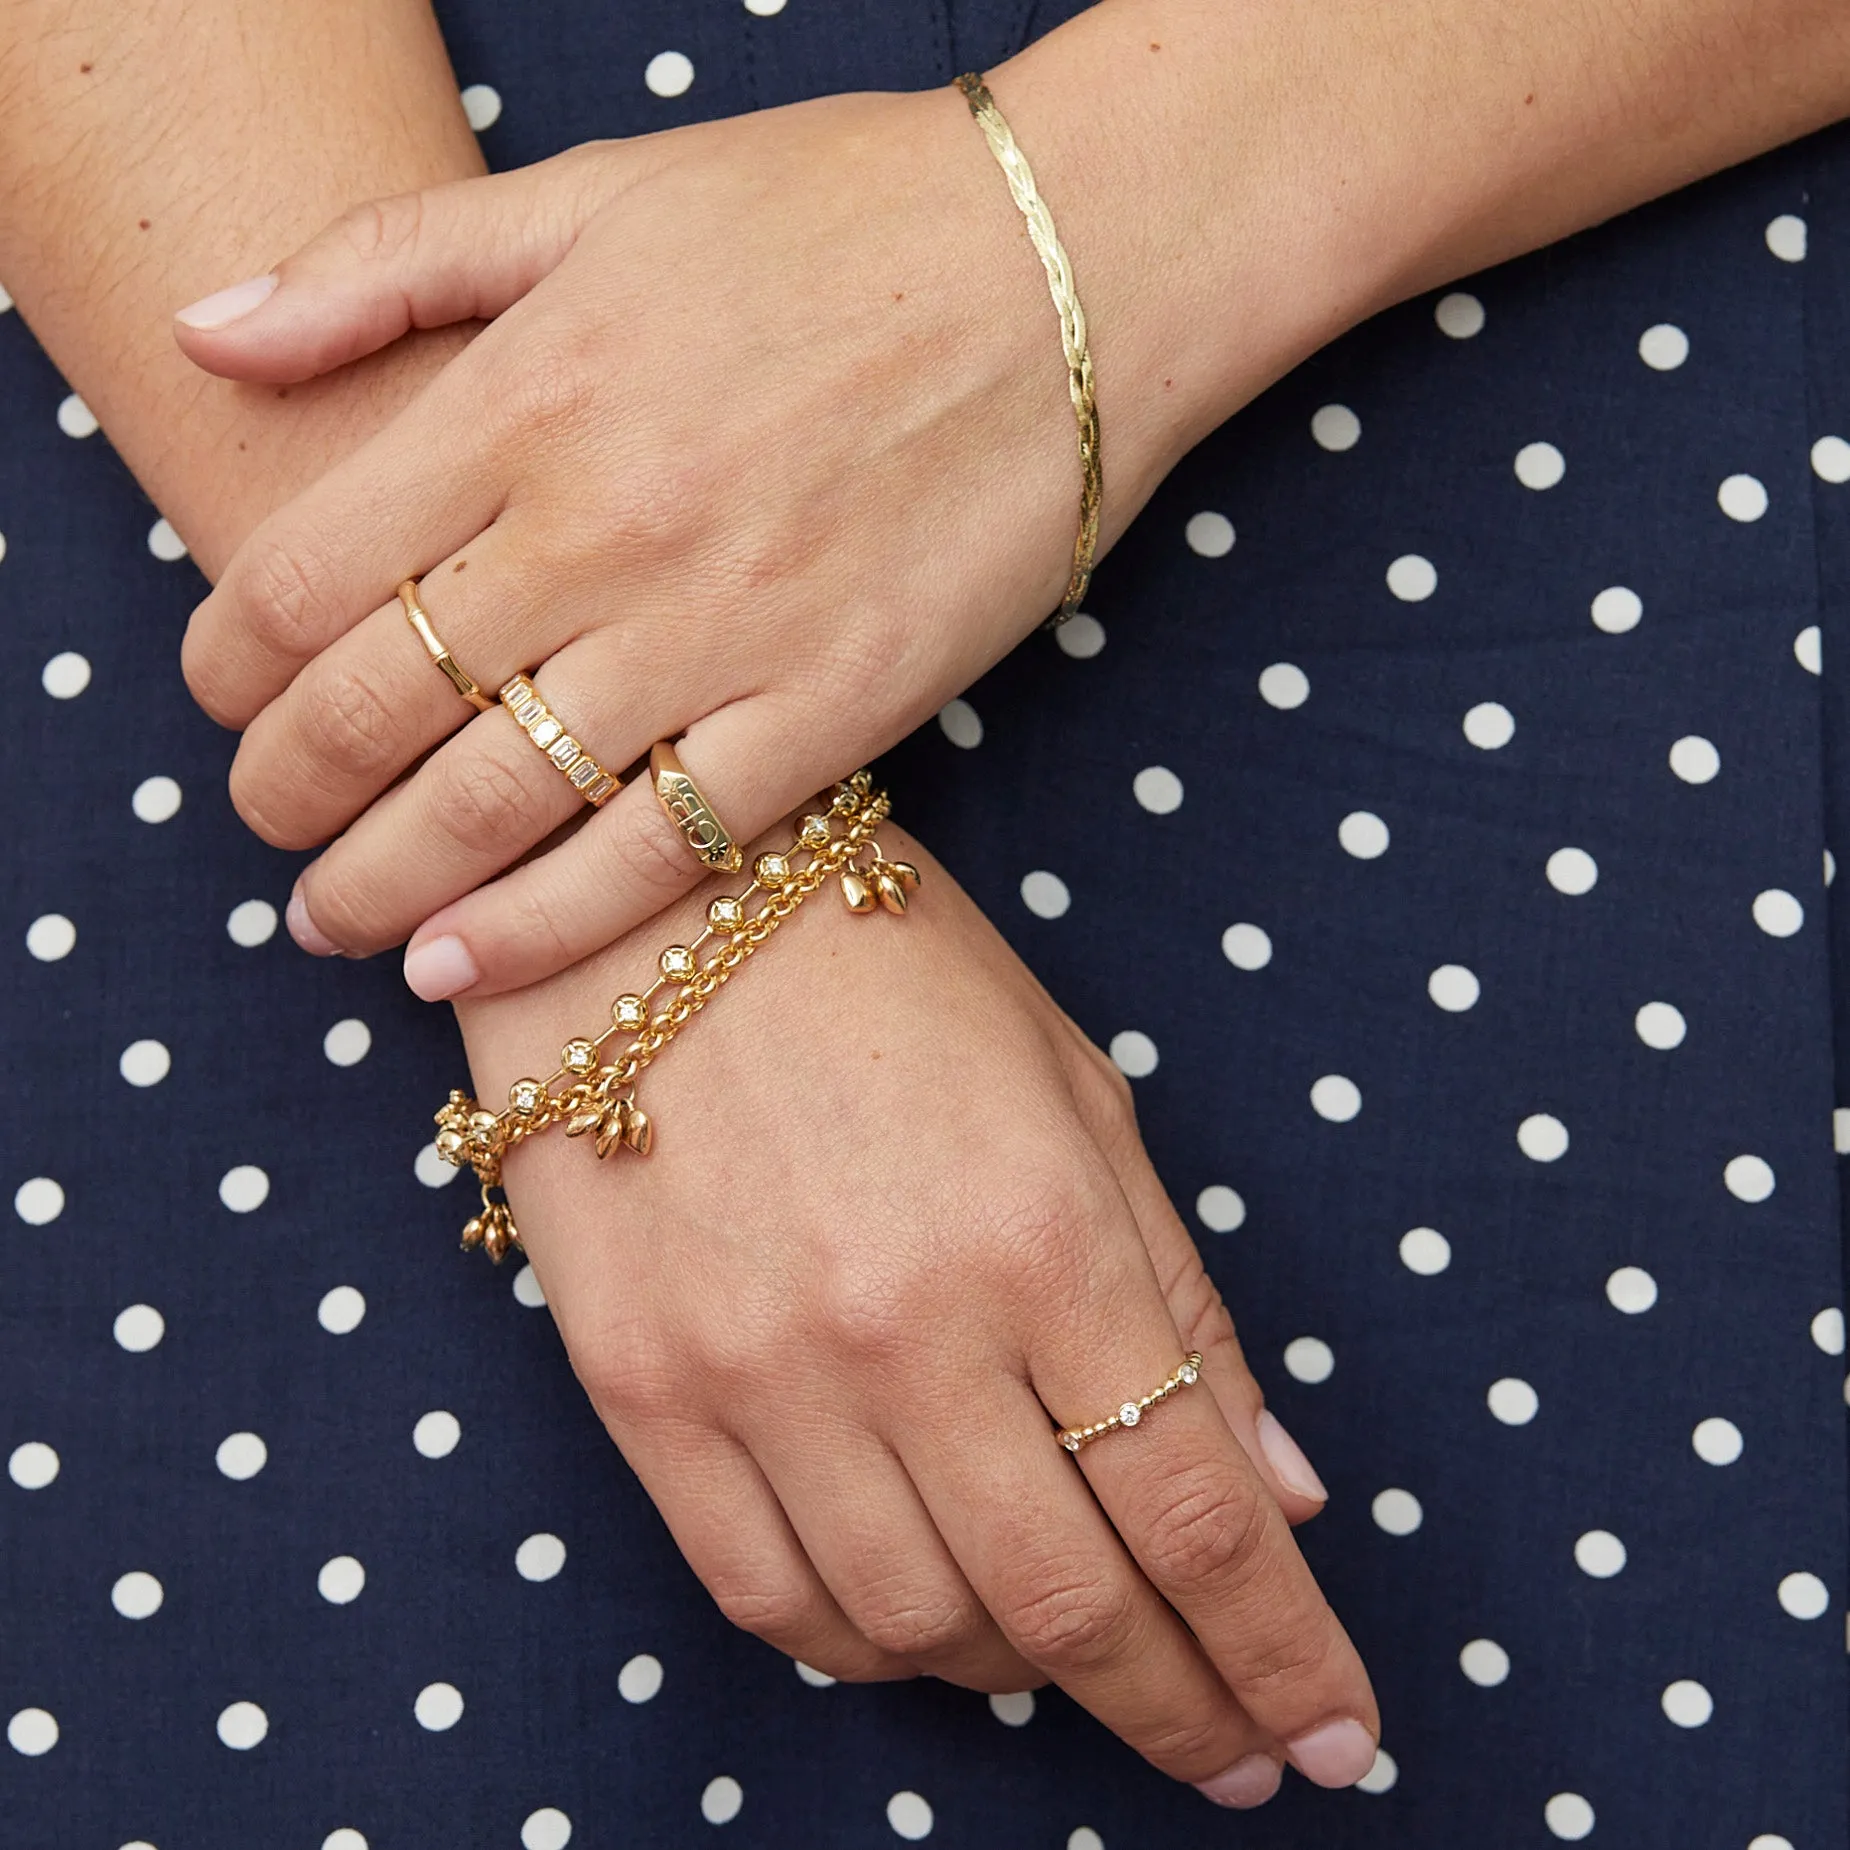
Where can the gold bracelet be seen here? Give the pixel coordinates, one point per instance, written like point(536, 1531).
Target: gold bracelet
point(599, 1097)
point(1072, 329)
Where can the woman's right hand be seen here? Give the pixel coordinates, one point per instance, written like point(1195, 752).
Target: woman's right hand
point(898, 1215)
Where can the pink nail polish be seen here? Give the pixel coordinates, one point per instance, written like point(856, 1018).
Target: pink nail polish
point(305, 931)
point(1246, 1783)
point(440, 968)
point(1337, 1754)
point(224, 306)
point(1282, 1454)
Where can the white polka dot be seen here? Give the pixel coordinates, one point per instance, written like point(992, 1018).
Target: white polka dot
point(32, 1731)
point(436, 1434)
point(346, 1838)
point(1133, 1053)
point(720, 1802)
point(1830, 459)
point(1045, 894)
point(1382, 1774)
point(1539, 465)
point(38, 1202)
point(348, 1042)
point(1687, 1703)
point(1804, 1596)
point(528, 1291)
point(1459, 315)
point(1785, 238)
point(1513, 1402)
point(546, 1829)
point(1770, 1840)
point(1777, 913)
point(50, 937)
point(1572, 871)
point(1663, 347)
point(1085, 1838)
point(137, 1596)
point(1830, 867)
point(1808, 649)
point(1309, 1359)
point(139, 1328)
point(1335, 1098)
point(144, 1063)
point(1453, 988)
point(640, 1679)
point(1840, 1130)
point(1695, 760)
point(1363, 834)
point(1542, 1138)
point(340, 1310)
point(1284, 685)
point(1616, 610)
point(669, 73)
point(1742, 497)
point(1220, 1209)
point(165, 544)
point(1397, 1511)
point(1336, 427)
point(438, 1707)
point(1211, 535)
point(909, 1816)
point(1246, 947)
point(1600, 1554)
point(1631, 1289)
point(75, 418)
point(6, 301)
point(156, 799)
point(432, 1170)
point(1080, 636)
point(242, 1725)
point(1014, 1709)
point(242, 1455)
point(1827, 1330)
point(1485, 1662)
point(1568, 1816)
point(244, 1189)
point(1717, 1441)
point(482, 105)
point(65, 676)
point(1158, 789)
point(1660, 1025)
point(1490, 726)
point(958, 721)
point(1425, 1250)
point(539, 1557)
point(32, 1465)
point(816, 1679)
point(1412, 579)
point(341, 1581)
point(252, 923)
point(1749, 1178)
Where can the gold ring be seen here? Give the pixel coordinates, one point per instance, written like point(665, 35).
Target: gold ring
point(419, 619)
point(691, 813)
point(547, 731)
point(1073, 1437)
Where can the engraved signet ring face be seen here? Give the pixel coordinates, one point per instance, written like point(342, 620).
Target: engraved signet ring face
point(691, 813)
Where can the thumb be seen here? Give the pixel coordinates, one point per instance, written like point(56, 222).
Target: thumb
point(462, 251)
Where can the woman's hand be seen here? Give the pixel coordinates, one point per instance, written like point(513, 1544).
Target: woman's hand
point(897, 1215)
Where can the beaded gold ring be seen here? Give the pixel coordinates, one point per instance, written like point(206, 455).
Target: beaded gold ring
point(1131, 1413)
point(544, 727)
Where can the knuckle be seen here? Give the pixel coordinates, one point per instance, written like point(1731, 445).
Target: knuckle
point(377, 230)
point(779, 1612)
point(1070, 1621)
point(547, 387)
point(250, 788)
point(286, 594)
point(348, 726)
point(202, 667)
point(351, 910)
point(485, 804)
point(912, 1622)
point(625, 1382)
point(1187, 1746)
point(1286, 1660)
point(652, 857)
point(1209, 1525)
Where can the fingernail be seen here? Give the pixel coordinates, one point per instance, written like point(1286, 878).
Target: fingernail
point(1282, 1454)
point(305, 931)
point(1337, 1754)
point(1246, 1783)
point(224, 306)
point(439, 968)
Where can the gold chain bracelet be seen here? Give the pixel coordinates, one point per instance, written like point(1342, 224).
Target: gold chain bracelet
point(598, 1098)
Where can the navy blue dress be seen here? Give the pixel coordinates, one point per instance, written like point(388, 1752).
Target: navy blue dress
point(1432, 812)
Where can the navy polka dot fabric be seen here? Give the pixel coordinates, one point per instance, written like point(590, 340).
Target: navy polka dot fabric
point(1432, 812)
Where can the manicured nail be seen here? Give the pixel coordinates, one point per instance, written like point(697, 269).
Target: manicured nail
point(1246, 1783)
point(224, 306)
point(1282, 1454)
point(1337, 1754)
point(439, 968)
point(305, 931)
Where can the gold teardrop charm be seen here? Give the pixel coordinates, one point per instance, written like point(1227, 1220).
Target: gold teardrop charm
point(639, 1133)
point(892, 891)
point(855, 890)
point(905, 873)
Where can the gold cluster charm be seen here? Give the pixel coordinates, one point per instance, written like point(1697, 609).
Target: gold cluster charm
point(492, 1230)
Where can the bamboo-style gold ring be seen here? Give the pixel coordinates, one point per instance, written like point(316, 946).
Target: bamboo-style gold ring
point(545, 728)
point(691, 813)
point(1073, 1437)
point(419, 619)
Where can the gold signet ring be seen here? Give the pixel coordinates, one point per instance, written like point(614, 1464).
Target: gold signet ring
point(419, 619)
point(690, 812)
